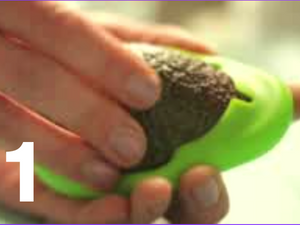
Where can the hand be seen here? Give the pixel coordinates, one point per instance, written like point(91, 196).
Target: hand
point(295, 87)
point(165, 35)
point(54, 82)
point(65, 84)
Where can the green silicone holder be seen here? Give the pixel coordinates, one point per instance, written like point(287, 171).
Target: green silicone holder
point(246, 131)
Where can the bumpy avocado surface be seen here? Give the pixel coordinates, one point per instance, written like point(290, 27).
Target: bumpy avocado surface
point(195, 95)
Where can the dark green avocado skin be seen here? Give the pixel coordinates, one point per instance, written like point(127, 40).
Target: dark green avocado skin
point(195, 95)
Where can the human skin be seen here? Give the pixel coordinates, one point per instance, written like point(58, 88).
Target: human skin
point(42, 68)
point(295, 87)
point(66, 82)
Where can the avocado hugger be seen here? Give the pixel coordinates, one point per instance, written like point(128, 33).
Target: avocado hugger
point(214, 111)
point(194, 97)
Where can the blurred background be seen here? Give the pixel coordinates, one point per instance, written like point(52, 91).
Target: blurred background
point(265, 34)
point(262, 33)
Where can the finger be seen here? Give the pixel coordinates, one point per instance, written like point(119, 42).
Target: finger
point(150, 200)
point(63, 152)
point(71, 39)
point(202, 198)
point(112, 210)
point(48, 205)
point(48, 88)
point(161, 35)
point(296, 93)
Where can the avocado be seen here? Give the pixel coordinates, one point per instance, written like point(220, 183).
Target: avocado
point(194, 97)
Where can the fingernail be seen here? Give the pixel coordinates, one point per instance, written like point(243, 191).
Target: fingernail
point(208, 194)
point(145, 89)
point(150, 200)
point(146, 214)
point(100, 175)
point(128, 145)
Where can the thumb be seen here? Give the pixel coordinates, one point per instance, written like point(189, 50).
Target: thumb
point(202, 198)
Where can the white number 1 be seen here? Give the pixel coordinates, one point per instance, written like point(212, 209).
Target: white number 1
point(25, 156)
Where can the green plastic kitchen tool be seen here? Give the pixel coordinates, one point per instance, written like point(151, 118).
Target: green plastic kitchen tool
point(246, 131)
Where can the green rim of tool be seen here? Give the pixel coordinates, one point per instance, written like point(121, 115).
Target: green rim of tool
point(246, 131)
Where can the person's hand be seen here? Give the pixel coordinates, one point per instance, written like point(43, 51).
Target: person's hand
point(65, 83)
point(165, 35)
point(78, 80)
point(295, 87)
